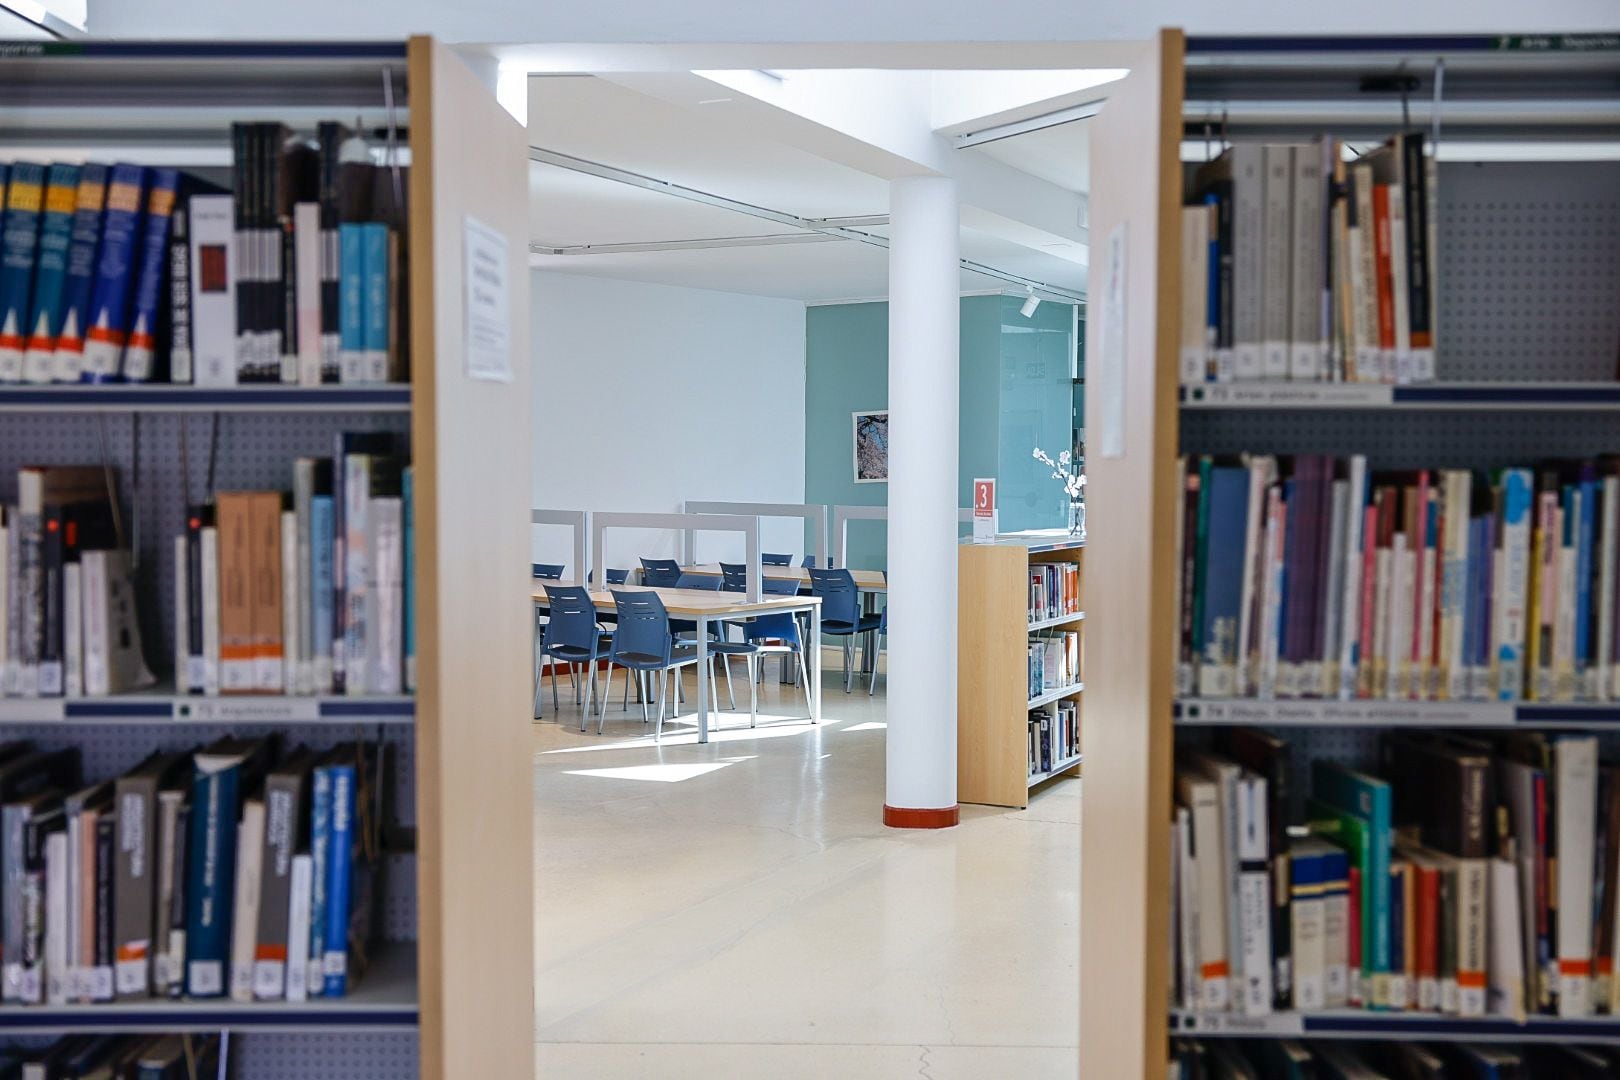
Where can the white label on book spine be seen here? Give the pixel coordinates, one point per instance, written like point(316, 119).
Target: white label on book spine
point(100, 979)
point(205, 977)
point(131, 975)
point(269, 980)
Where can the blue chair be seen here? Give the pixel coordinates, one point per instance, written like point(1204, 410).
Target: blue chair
point(643, 644)
point(614, 577)
point(882, 632)
point(660, 573)
point(767, 559)
point(779, 627)
point(841, 611)
point(572, 637)
point(549, 571)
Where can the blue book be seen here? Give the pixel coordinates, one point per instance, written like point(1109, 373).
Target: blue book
point(1227, 501)
point(84, 243)
point(1586, 533)
point(1368, 800)
point(107, 320)
point(375, 265)
point(55, 234)
point(1517, 489)
point(223, 771)
point(339, 869)
point(1489, 535)
point(1397, 934)
point(322, 522)
point(25, 197)
point(140, 350)
point(1212, 304)
point(320, 846)
point(351, 302)
point(407, 491)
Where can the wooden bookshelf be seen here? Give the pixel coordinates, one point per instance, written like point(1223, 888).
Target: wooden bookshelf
point(1139, 419)
point(450, 991)
point(992, 684)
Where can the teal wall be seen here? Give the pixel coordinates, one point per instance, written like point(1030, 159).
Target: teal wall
point(847, 370)
point(1036, 409)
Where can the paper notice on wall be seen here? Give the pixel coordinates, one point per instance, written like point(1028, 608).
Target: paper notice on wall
point(1108, 380)
point(488, 304)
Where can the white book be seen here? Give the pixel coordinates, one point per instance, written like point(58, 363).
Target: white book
point(1423, 617)
point(298, 915)
point(72, 973)
point(1575, 760)
point(1259, 477)
point(213, 290)
point(1458, 494)
point(1507, 953)
point(1271, 604)
point(72, 631)
point(1333, 613)
point(210, 608)
point(1228, 776)
point(182, 617)
point(307, 290)
point(1512, 578)
point(1202, 797)
point(58, 919)
point(113, 663)
point(1399, 637)
point(1336, 931)
point(245, 907)
point(1194, 293)
point(292, 643)
point(1308, 926)
point(1276, 234)
point(1187, 911)
point(1398, 285)
point(1608, 551)
point(1472, 883)
point(1369, 354)
point(356, 575)
point(166, 968)
point(1564, 624)
point(1350, 604)
point(1254, 896)
point(1308, 297)
point(1248, 259)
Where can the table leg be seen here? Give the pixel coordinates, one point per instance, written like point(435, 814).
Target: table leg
point(703, 682)
point(867, 657)
point(815, 664)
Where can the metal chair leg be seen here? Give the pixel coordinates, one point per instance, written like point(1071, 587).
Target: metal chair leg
point(555, 705)
point(754, 660)
point(877, 658)
point(849, 660)
point(803, 675)
point(642, 692)
point(726, 660)
point(607, 692)
point(658, 729)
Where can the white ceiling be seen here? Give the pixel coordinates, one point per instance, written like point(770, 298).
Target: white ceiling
point(1060, 155)
point(611, 124)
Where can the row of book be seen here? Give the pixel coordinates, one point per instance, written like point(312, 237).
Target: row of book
point(1296, 264)
point(1054, 736)
point(1295, 1059)
point(1054, 661)
point(137, 274)
point(1054, 590)
point(115, 1057)
point(1316, 577)
point(310, 593)
point(202, 874)
point(1459, 876)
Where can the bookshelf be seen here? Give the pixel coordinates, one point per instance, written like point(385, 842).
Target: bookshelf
point(448, 989)
point(993, 702)
point(1514, 386)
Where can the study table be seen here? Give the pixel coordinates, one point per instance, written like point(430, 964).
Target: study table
point(705, 606)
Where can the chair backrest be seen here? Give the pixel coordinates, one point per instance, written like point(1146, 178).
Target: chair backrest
point(779, 587)
point(697, 581)
point(548, 571)
point(840, 602)
point(573, 617)
point(767, 559)
point(614, 577)
point(660, 573)
point(734, 577)
point(643, 624)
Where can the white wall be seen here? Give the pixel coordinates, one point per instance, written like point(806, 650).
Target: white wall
point(648, 395)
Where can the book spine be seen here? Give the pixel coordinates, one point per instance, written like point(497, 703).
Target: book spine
point(180, 901)
point(1309, 915)
point(1608, 557)
point(135, 797)
point(13, 873)
point(183, 630)
point(1585, 581)
point(1194, 293)
point(208, 562)
point(1338, 932)
point(57, 969)
point(1307, 297)
point(107, 323)
point(320, 850)
point(67, 356)
point(351, 302)
point(1383, 282)
point(1397, 283)
point(1353, 611)
point(376, 313)
point(322, 537)
point(266, 563)
point(180, 295)
point(211, 876)
point(167, 862)
point(302, 577)
point(407, 488)
point(73, 682)
point(386, 622)
point(236, 647)
point(298, 922)
point(102, 984)
point(216, 302)
point(286, 248)
point(1420, 228)
point(335, 939)
point(292, 647)
point(273, 943)
point(1509, 612)
point(356, 572)
point(243, 943)
point(55, 238)
point(308, 240)
point(1276, 234)
point(140, 353)
point(1248, 263)
point(1254, 896)
point(1186, 878)
point(24, 202)
point(1576, 794)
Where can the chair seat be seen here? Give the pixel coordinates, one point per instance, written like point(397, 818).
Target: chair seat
point(569, 652)
point(733, 648)
point(649, 662)
point(838, 627)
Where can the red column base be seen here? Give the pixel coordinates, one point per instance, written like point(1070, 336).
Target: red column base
point(897, 818)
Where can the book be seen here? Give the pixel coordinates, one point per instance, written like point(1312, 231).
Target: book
point(114, 662)
point(1201, 797)
point(84, 245)
point(179, 293)
point(135, 893)
point(213, 290)
point(245, 899)
point(223, 772)
point(285, 824)
point(237, 652)
point(151, 275)
point(168, 869)
point(19, 241)
point(1367, 800)
point(264, 576)
point(50, 272)
point(107, 319)
point(298, 928)
point(1576, 762)
point(340, 860)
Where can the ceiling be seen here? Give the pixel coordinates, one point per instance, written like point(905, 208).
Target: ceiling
point(696, 147)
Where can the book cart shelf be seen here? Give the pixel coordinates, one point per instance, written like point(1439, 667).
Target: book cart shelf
point(993, 698)
point(448, 989)
point(1509, 391)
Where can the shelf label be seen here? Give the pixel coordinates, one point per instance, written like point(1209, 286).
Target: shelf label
point(1236, 1024)
point(1307, 713)
point(221, 710)
point(1109, 376)
point(1290, 395)
point(488, 307)
point(984, 511)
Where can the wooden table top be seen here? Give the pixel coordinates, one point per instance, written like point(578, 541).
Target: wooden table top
point(705, 602)
point(865, 580)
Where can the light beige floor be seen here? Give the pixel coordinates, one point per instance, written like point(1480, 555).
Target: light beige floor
point(738, 910)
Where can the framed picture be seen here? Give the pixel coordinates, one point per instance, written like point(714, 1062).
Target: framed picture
point(872, 447)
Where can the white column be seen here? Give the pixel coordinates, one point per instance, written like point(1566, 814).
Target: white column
point(924, 282)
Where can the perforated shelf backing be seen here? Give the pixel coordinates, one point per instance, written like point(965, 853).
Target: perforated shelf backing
point(324, 1057)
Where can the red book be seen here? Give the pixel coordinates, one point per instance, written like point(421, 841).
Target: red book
point(1382, 267)
point(1372, 540)
point(1354, 966)
point(1420, 614)
point(1428, 936)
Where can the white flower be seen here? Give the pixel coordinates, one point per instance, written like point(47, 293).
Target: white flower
point(1063, 458)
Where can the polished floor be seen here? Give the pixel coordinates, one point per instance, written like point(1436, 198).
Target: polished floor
point(738, 909)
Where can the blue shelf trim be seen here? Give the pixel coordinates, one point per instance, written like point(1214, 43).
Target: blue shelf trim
point(212, 50)
point(192, 1017)
point(116, 710)
point(1508, 395)
point(1448, 43)
point(159, 396)
point(368, 708)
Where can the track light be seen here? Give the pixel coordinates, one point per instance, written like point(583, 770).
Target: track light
point(1030, 304)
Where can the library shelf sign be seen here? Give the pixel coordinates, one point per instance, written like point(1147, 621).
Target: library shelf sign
point(488, 308)
point(984, 511)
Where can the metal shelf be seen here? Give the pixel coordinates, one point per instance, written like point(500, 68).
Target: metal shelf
point(1194, 712)
point(157, 397)
point(1472, 396)
point(1062, 766)
point(164, 706)
point(1057, 694)
point(384, 999)
point(1362, 1024)
point(1056, 620)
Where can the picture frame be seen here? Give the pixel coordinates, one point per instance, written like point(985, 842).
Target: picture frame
point(870, 446)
